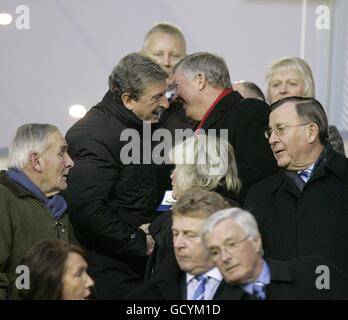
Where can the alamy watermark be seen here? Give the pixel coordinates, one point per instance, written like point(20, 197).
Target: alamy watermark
point(21, 19)
point(191, 147)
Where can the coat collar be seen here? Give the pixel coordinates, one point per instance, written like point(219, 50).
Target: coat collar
point(224, 105)
point(329, 160)
point(130, 120)
point(15, 187)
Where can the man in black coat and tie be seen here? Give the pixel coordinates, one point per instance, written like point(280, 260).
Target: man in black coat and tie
point(203, 86)
point(303, 209)
point(234, 244)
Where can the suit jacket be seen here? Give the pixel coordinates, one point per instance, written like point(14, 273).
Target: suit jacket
point(313, 221)
point(169, 283)
point(246, 121)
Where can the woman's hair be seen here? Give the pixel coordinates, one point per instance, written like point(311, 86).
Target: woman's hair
point(206, 162)
point(291, 63)
point(46, 262)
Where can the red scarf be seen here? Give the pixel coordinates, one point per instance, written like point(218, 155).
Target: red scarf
point(217, 100)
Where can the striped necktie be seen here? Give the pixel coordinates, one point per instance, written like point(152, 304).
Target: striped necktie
point(259, 290)
point(305, 175)
point(199, 292)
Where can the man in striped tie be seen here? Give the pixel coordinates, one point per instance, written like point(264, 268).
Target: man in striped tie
point(190, 274)
point(234, 244)
point(302, 209)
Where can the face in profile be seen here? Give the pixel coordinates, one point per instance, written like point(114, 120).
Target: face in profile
point(166, 49)
point(76, 282)
point(236, 255)
point(55, 164)
point(290, 146)
point(286, 82)
point(188, 246)
point(149, 106)
point(188, 95)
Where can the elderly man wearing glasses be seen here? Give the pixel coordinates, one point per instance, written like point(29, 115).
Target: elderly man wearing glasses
point(303, 209)
point(233, 242)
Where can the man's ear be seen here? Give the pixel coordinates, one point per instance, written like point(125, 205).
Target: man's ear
point(312, 132)
point(35, 161)
point(201, 80)
point(257, 244)
point(127, 101)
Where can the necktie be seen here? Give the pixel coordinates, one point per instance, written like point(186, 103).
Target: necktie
point(199, 292)
point(305, 175)
point(259, 290)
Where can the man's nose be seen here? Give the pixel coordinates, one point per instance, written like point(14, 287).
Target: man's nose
point(273, 138)
point(69, 162)
point(164, 103)
point(167, 60)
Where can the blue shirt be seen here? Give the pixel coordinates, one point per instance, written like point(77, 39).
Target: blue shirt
point(264, 277)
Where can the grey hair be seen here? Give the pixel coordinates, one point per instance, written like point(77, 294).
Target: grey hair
point(310, 110)
point(205, 161)
point(244, 219)
point(132, 75)
point(167, 28)
point(292, 63)
point(29, 138)
point(212, 66)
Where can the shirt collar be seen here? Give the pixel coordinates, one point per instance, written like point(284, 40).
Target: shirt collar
point(212, 273)
point(264, 277)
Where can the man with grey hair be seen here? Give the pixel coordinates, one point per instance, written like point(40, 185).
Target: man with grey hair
point(302, 210)
point(234, 244)
point(30, 207)
point(204, 89)
point(111, 202)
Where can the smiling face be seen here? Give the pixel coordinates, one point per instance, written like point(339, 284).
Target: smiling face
point(166, 49)
point(188, 247)
point(150, 104)
point(54, 165)
point(245, 263)
point(286, 82)
point(188, 94)
point(291, 149)
point(76, 282)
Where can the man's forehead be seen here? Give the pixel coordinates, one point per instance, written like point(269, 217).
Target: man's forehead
point(56, 139)
point(187, 223)
point(287, 110)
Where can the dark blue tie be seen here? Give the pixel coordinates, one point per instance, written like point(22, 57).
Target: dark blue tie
point(305, 175)
point(199, 293)
point(259, 290)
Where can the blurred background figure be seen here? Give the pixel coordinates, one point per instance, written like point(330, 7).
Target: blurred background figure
point(190, 174)
point(248, 89)
point(58, 271)
point(166, 45)
point(292, 76)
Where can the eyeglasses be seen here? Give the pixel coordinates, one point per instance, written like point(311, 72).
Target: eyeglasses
point(280, 129)
point(230, 247)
